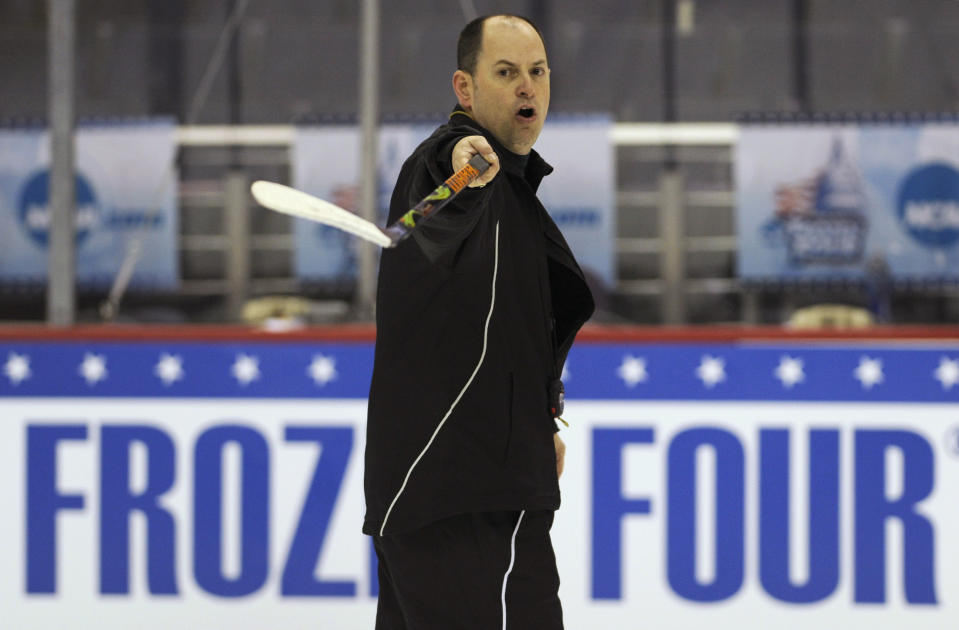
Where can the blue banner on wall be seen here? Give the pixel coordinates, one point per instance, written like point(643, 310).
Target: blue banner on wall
point(123, 188)
point(831, 201)
point(579, 195)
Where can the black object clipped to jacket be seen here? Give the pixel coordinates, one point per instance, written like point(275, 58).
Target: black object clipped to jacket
point(476, 313)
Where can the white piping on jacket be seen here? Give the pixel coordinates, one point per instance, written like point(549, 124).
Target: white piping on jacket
point(489, 316)
point(512, 559)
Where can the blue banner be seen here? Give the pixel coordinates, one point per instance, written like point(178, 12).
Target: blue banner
point(579, 195)
point(722, 371)
point(848, 201)
point(124, 189)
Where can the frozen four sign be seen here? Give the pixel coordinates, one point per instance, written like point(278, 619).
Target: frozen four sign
point(830, 201)
point(735, 486)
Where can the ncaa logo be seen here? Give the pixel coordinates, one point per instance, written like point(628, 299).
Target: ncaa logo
point(34, 208)
point(929, 205)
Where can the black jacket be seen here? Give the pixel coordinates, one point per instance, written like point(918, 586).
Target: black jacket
point(476, 313)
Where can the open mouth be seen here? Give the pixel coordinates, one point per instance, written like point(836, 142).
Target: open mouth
point(526, 112)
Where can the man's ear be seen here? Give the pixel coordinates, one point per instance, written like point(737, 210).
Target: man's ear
point(463, 88)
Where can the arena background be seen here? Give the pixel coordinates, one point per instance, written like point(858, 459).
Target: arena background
point(183, 410)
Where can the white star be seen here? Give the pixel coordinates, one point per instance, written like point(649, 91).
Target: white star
point(322, 370)
point(94, 368)
point(633, 370)
point(790, 371)
point(711, 370)
point(245, 369)
point(869, 372)
point(948, 372)
point(169, 368)
point(17, 368)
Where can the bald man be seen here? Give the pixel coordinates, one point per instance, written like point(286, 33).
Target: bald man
point(475, 316)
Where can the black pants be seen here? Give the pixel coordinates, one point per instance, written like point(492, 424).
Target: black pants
point(485, 571)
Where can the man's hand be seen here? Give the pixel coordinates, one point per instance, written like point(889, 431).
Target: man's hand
point(466, 149)
point(560, 454)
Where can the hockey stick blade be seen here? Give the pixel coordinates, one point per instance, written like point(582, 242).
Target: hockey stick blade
point(300, 204)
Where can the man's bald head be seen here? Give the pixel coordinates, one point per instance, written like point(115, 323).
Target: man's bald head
point(471, 39)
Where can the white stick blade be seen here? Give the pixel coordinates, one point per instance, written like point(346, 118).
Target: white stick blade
point(300, 204)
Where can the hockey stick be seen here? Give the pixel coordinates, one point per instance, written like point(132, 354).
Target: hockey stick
point(300, 204)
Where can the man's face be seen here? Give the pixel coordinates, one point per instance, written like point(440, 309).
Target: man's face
point(510, 88)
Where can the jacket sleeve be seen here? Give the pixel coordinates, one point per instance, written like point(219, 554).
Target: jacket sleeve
point(440, 236)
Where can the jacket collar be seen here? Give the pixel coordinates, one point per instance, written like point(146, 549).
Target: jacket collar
point(532, 170)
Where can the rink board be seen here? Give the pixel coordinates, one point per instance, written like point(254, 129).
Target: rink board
point(219, 484)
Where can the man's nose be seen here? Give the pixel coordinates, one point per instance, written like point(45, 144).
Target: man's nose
point(525, 87)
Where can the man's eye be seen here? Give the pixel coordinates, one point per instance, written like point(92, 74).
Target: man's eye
point(503, 72)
